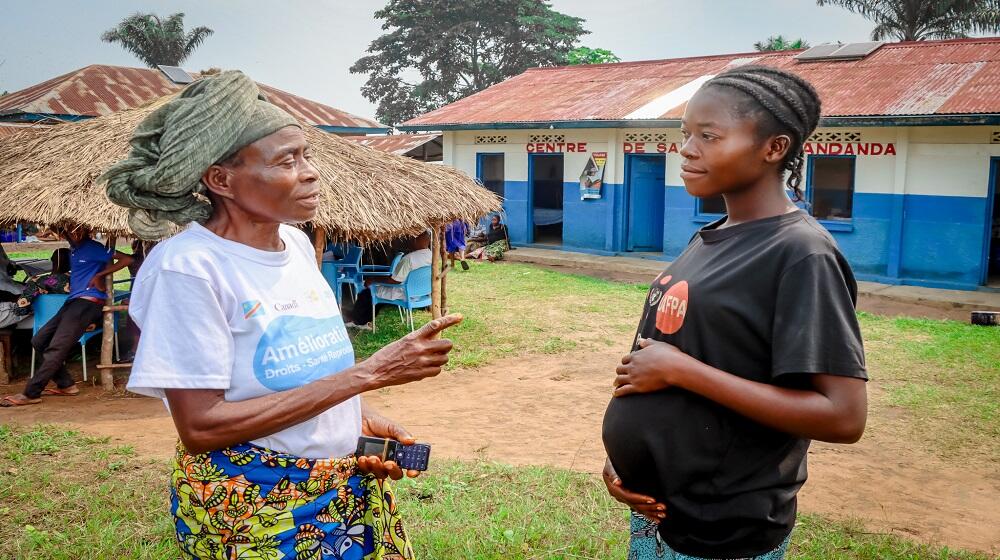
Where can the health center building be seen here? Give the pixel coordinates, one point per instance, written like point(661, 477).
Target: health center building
point(903, 170)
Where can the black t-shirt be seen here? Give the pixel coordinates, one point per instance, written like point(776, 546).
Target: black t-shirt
point(494, 234)
point(770, 300)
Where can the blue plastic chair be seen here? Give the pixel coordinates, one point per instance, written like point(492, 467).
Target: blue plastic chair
point(416, 293)
point(330, 273)
point(348, 271)
point(381, 269)
point(45, 308)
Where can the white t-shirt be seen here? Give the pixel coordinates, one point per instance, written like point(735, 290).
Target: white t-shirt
point(411, 261)
point(217, 314)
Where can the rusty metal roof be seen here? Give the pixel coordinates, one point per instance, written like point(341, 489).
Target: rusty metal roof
point(399, 144)
point(99, 90)
point(905, 80)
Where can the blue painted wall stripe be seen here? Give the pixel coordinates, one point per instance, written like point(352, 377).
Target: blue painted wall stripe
point(941, 242)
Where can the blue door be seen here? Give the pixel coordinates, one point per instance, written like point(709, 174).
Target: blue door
point(646, 189)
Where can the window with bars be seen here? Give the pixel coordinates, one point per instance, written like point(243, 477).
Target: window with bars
point(830, 187)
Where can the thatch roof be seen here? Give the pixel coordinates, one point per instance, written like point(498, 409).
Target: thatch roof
point(47, 176)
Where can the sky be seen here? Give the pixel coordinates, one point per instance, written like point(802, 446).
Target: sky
point(306, 47)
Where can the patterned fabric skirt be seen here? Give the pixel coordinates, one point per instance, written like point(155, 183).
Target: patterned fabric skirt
point(248, 502)
point(646, 544)
point(494, 251)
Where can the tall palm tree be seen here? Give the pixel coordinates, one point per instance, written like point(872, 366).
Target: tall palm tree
point(780, 43)
point(916, 20)
point(157, 41)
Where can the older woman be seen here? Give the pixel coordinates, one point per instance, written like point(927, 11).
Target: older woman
point(244, 340)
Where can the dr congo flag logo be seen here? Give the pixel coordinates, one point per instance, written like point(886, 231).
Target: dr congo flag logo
point(252, 307)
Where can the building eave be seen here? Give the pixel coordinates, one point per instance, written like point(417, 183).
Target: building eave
point(985, 119)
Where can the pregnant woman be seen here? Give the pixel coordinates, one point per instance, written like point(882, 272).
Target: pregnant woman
point(748, 346)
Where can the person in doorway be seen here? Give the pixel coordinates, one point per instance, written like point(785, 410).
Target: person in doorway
point(243, 339)
point(90, 263)
point(454, 243)
point(419, 257)
point(748, 346)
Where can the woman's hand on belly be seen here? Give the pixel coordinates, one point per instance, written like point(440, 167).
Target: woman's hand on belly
point(653, 367)
point(639, 503)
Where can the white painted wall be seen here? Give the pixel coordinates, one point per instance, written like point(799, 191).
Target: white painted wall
point(950, 161)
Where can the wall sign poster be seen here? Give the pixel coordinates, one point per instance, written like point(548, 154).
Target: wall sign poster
point(593, 176)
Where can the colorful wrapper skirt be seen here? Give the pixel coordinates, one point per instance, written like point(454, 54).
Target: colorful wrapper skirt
point(646, 544)
point(247, 502)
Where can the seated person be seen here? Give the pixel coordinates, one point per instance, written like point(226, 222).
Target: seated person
point(494, 243)
point(419, 257)
point(55, 282)
point(90, 262)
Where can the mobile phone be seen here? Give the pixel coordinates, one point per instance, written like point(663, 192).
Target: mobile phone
point(408, 457)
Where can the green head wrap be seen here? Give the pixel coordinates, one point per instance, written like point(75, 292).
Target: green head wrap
point(160, 181)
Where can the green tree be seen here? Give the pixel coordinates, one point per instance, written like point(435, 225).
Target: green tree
point(157, 41)
point(438, 51)
point(586, 55)
point(780, 43)
point(917, 20)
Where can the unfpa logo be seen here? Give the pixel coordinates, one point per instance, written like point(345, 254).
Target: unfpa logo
point(252, 307)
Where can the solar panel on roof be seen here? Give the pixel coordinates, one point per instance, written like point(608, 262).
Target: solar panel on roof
point(856, 50)
point(818, 52)
point(850, 51)
point(175, 74)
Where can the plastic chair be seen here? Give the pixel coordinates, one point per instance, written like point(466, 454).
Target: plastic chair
point(45, 308)
point(330, 273)
point(416, 293)
point(381, 269)
point(348, 271)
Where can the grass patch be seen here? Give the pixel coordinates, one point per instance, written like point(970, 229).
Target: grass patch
point(67, 496)
point(945, 374)
point(515, 309)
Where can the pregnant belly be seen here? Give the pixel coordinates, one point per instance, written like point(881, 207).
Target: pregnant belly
point(664, 443)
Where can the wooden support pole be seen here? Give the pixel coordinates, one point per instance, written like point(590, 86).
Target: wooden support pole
point(437, 241)
point(444, 276)
point(108, 334)
point(319, 244)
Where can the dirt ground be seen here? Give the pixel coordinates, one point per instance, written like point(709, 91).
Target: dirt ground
point(501, 412)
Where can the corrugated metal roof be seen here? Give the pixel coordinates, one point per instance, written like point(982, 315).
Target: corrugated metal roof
point(99, 90)
point(912, 78)
point(399, 144)
point(9, 129)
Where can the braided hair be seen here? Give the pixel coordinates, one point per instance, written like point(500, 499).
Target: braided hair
point(782, 103)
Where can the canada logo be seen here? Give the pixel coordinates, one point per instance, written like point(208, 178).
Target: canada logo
point(673, 307)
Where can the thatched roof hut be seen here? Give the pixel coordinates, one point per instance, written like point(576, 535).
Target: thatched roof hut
point(47, 175)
